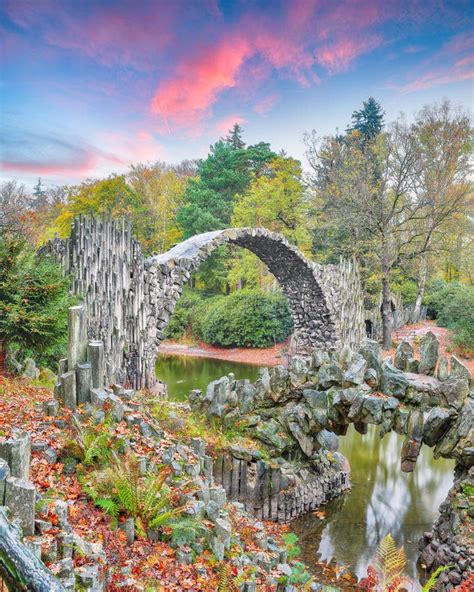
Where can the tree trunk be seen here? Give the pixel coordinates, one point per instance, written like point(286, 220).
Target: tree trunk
point(386, 313)
point(20, 569)
point(421, 289)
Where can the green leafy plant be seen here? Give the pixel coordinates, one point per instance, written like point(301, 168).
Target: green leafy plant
point(121, 490)
point(185, 531)
point(91, 446)
point(290, 541)
point(434, 578)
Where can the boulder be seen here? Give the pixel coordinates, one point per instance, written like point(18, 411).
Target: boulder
point(299, 422)
point(317, 402)
point(329, 375)
point(298, 369)
point(403, 355)
point(372, 408)
point(271, 434)
point(436, 424)
point(443, 368)
point(429, 347)
point(459, 370)
point(356, 369)
point(455, 391)
point(30, 370)
point(319, 358)
point(279, 383)
point(394, 381)
point(328, 440)
point(371, 351)
point(245, 396)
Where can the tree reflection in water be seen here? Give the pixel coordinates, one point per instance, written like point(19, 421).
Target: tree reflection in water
point(382, 500)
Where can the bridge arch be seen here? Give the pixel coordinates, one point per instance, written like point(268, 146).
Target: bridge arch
point(130, 298)
point(315, 324)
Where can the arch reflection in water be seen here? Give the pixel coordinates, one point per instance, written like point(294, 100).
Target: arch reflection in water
point(382, 500)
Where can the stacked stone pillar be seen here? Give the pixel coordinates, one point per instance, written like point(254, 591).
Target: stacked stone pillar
point(84, 368)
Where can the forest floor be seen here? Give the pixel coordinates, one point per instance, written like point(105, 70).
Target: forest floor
point(277, 354)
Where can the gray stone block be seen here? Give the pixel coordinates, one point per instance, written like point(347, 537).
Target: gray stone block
point(83, 382)
point(20, 498)
point(68, 389)
point(4, 474)
point(16, 451)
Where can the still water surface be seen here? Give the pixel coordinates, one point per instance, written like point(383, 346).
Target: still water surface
point(382, 499)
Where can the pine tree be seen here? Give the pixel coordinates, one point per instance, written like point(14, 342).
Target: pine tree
point(234, 138)
point(368, 121)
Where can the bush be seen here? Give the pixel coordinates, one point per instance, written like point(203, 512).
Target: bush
point(34, 298)
point(248, 318)
point(452, 304)
point(182, 320)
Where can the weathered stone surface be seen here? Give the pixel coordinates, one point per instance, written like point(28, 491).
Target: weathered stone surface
point(68, 389)
point(83, 382)
point(95, 355)
point(371, 351)
point(459, 370)
point(443, 368)
point(77, 335)
point(455, 391)
point(403, 355)
point(4, 474)
point(356, 369)
point(328, 440)
point(30, 370)
point(16, 451)
point(394, 381)
point(436, 424)
point(429, 347)
point(20, 497)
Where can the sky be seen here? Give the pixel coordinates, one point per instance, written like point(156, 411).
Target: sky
point(89, 87)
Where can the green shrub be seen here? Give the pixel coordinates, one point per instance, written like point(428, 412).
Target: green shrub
point(248, 318)
point(452, 304)
point(182, 320)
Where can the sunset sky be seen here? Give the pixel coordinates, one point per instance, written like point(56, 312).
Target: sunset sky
point(90, 86)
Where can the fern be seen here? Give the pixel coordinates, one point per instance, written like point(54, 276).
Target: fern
point(108, 505)
point(186, 530)
point(434, 577)
point(226, 583)
point(389, 561)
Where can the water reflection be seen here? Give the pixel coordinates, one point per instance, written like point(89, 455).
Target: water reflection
point(184, 373)
point(382, 500)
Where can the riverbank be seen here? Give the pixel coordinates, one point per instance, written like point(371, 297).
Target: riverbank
point(269, 356)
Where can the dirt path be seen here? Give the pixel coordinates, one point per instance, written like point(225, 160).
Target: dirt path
point(269, 356)
point(411, 332)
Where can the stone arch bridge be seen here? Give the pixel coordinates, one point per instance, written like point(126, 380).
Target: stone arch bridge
point(130, 298)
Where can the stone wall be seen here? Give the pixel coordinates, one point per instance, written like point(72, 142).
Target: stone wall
point(130, 298)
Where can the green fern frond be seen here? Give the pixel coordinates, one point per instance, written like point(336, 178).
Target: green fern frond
point(434, 577)
point(108, 505)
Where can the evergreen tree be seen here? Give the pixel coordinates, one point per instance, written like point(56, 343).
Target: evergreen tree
point(234, 138)
point(368, 121)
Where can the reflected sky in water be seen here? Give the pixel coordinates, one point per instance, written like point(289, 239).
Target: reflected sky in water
point(382, 500)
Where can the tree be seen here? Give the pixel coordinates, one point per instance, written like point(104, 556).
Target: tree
point(226, 172)
point(160, 191)
point(111, 196)
point(274, 200)
point(445, 146)
point(376, 193)
point(34, 297)
point(368, 121)
point(15, 209)
point(234, 138)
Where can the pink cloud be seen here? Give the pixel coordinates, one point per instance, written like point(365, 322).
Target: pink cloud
point(448, 65)
point(266, 104)
point(224, 125)
point(435, 78)
point(338, 56)
point(186, 97)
